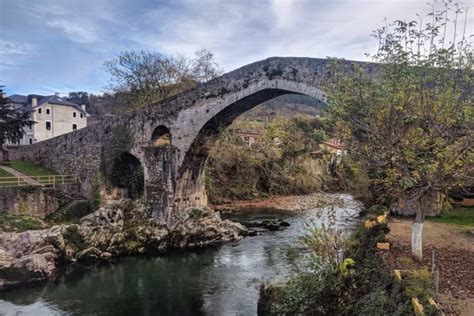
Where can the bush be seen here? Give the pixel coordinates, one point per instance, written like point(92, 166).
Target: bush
point(420, 284)
point(374, 303)
point(74, 237)
point(19, 223)
point(71, 212)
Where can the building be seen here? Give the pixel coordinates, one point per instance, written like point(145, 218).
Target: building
point(53, 115)
point(249, 136)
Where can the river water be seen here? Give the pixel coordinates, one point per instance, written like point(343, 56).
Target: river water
point(217, 281)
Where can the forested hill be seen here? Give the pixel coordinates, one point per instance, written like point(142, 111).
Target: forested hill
point(287, 105)
point(100, 106)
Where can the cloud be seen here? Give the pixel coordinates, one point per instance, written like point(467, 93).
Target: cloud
point(13, 53)
point(64, 44)
point(75, 31)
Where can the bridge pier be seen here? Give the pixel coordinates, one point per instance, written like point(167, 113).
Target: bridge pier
point(160, 181)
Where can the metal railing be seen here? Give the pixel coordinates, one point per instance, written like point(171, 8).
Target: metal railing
point(48, 180)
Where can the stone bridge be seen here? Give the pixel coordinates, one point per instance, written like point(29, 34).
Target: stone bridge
point(171, 139)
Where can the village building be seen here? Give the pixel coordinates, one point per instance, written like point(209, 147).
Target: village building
point(53, 116)
point(249, 136)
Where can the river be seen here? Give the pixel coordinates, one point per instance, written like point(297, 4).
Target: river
point(215, 281)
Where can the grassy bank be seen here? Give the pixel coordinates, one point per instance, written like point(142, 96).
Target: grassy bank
point(30, 169)
point(462, 216)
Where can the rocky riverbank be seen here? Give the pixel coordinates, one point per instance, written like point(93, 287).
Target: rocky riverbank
point(283, 204)
point(120, 228)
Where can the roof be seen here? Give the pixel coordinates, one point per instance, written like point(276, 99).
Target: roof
point(334, 143)
point(26, 102)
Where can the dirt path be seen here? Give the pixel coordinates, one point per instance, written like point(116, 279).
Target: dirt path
point(21, 175)
point(454, 252)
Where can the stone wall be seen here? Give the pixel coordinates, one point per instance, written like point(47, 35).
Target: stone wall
point(77, 153)
point(32, 201)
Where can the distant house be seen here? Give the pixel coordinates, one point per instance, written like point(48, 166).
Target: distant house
point(249, 136)
point(53, 115)
point(333, 146)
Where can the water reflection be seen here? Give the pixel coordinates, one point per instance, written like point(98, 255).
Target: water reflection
point(219, 281)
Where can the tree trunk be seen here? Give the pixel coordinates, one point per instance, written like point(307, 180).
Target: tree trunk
point(417, 234)
point(417, 240)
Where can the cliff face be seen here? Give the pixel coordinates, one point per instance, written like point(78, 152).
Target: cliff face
point(120, 228)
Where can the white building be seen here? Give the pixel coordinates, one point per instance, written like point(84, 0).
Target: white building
point(53, 115)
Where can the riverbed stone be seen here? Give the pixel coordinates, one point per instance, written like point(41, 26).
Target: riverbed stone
point(120, 228)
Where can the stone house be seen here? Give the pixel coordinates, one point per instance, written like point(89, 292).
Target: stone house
point(249, 136)
point(53, 115)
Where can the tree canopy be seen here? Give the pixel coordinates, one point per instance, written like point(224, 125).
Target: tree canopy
point(12, 122)
point(145, 77)
point(412, 124)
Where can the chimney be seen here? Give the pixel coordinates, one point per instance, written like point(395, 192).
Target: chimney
point(34, 101)
point(83, 107)
point(56, 94)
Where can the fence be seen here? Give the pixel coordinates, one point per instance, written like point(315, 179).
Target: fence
point(49, 180)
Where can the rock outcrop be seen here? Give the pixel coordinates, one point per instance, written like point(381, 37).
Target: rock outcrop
point(120, 228)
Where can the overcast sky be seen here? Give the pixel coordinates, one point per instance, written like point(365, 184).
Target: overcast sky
point(60, 46)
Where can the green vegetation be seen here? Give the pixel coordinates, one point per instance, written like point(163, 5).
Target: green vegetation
point(463, 216)
point(4, 173)
point(71, 212)
point(12, 122)
point(30, 169)
point(19, 223)
point(410, 127)
point(359, 285)
point(120, 168)
point(278, 163)
point(95, 198)
point(74, 237)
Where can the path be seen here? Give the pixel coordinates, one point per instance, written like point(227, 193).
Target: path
point(454, 249)
point(21, 175)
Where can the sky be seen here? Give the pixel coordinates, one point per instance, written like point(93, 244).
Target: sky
point(49, 46)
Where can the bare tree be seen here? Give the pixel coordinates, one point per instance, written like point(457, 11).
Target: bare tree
point(145, 77)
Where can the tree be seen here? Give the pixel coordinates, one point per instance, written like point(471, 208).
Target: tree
point(147, 77)
point(204, 66)
point(12, 122)
point(412, 124)
point(79, 97)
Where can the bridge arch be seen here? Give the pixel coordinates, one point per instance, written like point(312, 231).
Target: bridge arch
point(190, 183)
point(127, 174)
point(161, 136)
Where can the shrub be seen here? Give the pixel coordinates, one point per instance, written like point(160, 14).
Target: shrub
point(74, 237)
point(420, 284)
point(19, 223)
point(374, 303)
point(95, 198)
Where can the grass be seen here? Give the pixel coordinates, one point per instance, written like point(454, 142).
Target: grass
point(463, 216)
point(30, 169)
point(19, 223)
point(3, 173)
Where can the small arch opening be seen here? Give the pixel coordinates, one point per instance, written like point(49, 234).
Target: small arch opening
point(161, 136)
point(127, 173)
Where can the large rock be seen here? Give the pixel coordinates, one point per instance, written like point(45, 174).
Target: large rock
point(122, 227)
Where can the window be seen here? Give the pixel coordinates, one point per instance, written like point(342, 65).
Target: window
point(82, 115)
point(31, 141)
point(73, 114)
point(39, 111)
point(47, 111)
point(74, 127)
point(48, 126)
